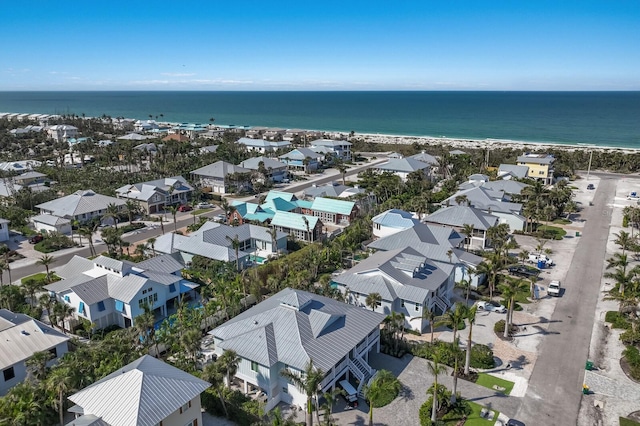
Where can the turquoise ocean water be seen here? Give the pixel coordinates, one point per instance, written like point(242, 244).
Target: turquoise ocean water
point(601, 118)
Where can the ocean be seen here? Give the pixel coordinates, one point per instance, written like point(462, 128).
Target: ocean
point(600, 118)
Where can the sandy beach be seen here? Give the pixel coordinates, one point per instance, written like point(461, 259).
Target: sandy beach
point(484, 143)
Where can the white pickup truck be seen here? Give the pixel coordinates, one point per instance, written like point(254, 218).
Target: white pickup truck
point(534, 258)
point(554, 288)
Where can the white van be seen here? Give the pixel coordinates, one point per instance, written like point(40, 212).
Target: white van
point(350, 393)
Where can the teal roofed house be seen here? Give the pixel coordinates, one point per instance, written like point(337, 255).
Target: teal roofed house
point(280, 194)
point(338, 212)
point(300, 226)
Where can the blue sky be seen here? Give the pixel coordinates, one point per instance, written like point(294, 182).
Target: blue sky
point(328, 45)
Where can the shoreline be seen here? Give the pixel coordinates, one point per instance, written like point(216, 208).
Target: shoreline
point(485, 143)
point(461, 143)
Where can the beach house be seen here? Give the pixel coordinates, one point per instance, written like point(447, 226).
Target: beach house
point(82, 206)
point(304, 159)
point(20, 337)
point(108, 292)
point(263, 146)
point(408, 282)
point(540, 166)
point(459, 216)
point(153, 196)
point(403, 167)
point(146, 392)
point(269, 169)
point(61, 132)
point(291, 329)
point(340, 150)
point(222, 177)
point(391, 221)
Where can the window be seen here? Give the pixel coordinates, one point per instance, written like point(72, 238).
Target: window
point(155, 297)
point(81, 308)
point(8, 374)
point(254, 366)
point(172, 288)
point(402, 302)
point(285, 389)
point(185, 407)
point(54, 352)
point(66, 299)
point(417, 306)
point(101, 306)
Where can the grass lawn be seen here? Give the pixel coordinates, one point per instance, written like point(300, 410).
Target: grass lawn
point(627, 422)
point(489, 381)
point(553, 231)
point(474, 418)
point(561, 221)
point(200, 211)
point(41, 276)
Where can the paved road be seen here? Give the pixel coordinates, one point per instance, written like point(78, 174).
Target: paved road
point(554, 393)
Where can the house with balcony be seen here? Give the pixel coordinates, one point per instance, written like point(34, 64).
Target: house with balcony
point(540, 166)
point(409, 283)
point(499, 188)
point(304, 159)
point(291, 328)
point(61, 132)
point(216, 241)
point(392, 221)
point(155, 195)
point(457, 217)
point(147, 391)
point(107, 291)
point(340, 150)
point(82, 206)
point(403, 167)
point(492, 202)
point(263, 146)
point(269, 168)
point(443, 245)
point(222, 177)
point(20, 337)
point(330, 210)
point(299, 226)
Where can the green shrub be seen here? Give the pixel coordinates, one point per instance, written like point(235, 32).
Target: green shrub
point(446, 411)
point(132, 227)
point(617, 320)
point(625, 221)
point(632, 355)
point(630, 337)
point(443, 349)
point(482, 357)
point(499, 327)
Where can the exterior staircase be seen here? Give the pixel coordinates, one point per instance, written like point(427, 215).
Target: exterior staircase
point(362, 371)
point(441, 303)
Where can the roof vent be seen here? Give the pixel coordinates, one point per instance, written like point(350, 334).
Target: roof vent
point(255, 322)
point(24, 332)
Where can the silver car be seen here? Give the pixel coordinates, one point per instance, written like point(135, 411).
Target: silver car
point(491, 306)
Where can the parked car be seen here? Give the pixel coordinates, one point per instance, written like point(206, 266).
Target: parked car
point(535, 258)
point(523, 271)
point(219, 218)
point(514, 422)
point(491, 306)
point(36, 239)
point(633, 196)
point(554, 288)
point(204, 206)
point(591, 186)
point(185, 208)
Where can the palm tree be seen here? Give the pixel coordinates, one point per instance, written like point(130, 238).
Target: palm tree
point(152, 242)
point(31, 287)
point(373, 300)
point(468, 231)
point(343, 171)
point(229, 361)
point(46, 260)
point(490, 267)
point(235, 243)
point(383, 384)
point(144, 324)
point(452, 319)
point(37, 365)
point(510, 290)
point(88, 234)
point(308, 382)
point(3, 267)
point(62, 311)
point(465, 285)
point(624, 240)
point(60, 382)
point(523, 256)
point(112, 212)
point(213, 374)
point(131, 208)
point(435, 369)
point(471, 318)
point(430, 315)
point(45, 302)
point(174, 212)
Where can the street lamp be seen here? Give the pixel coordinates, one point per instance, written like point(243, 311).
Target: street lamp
point(591, 145)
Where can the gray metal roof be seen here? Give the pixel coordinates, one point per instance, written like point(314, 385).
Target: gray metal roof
point(425, 158)
point(485, 199)
point(49, 219)
point(332, 189)
point(254, 163)
point(406, 165)
point(275, 330)
point(506, 186)
point(329, 142)
point(142, 393)
point(513, 169)
point(80, 202)
point(536, 158)
point(219, 169)
point(76, 266)
point(167, 263)
point(21, 336)
point(301, 154)
point(463, 215)
point(405, 272)
point(88, 420)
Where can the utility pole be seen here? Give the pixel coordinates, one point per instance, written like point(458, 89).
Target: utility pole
point(589, 168)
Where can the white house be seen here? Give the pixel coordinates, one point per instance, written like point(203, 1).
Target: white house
point(220, 176)
point(153, 196)
point(112, 292)
point(20, 337)
point(4, 229)
point(392, 221)
point(403, 167)
point(291, 328)
point(62, 132)
point(82, 205)
point(146, 392)
point(263, 146)
point(407, 281)
point(338, 149)
point(273, 170)
point(51, 223)
point(215, 241)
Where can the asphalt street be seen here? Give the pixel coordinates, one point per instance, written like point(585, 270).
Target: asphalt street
point(555, 387)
